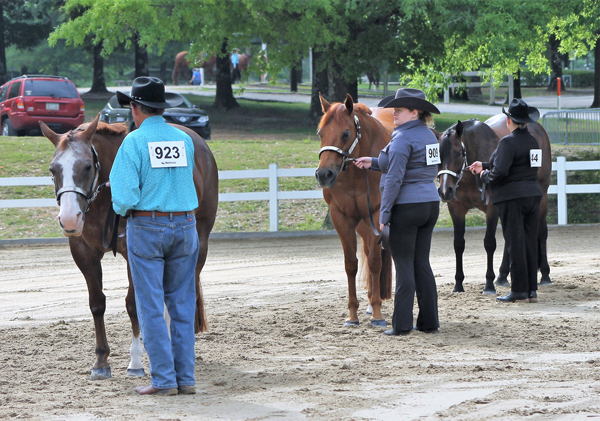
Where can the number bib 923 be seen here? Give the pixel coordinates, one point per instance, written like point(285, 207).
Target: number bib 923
point(535, 157)
point(167, 154)
point(433, 154)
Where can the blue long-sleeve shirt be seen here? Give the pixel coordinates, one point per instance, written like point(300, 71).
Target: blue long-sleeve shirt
point(406, 176)
point(135, 185)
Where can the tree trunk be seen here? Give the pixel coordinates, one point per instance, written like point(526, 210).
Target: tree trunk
point(141, 59)
point(299, 70)
point(339, 87)
point(517, 85)
point(596, 103)
point(320, 84)
point(224, 95)
point(99, 83)
point(163, 71)
point(293, 80)
point(556, 62)
point(3, 75)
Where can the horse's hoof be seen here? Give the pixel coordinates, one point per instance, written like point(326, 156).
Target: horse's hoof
point(545, 281)
point(489, 291)
point(502, 282)
point(369, 310)
point(351, 323)
point(379, 323)
point(136, 372)
point(100, 373)
point(458, 289)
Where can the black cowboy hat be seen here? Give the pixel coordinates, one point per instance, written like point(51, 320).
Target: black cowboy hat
point(520, 112)
point(408, 98)
point(149, 91)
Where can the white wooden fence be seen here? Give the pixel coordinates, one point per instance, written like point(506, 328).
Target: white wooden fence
point(273, 195)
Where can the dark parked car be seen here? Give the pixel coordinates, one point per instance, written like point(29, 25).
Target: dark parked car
point(186, 114)
point(26, 100)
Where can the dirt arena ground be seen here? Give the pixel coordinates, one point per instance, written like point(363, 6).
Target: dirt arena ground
point(276, 348)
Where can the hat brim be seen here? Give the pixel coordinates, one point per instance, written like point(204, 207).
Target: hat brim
point(171, 100)
point(408, 102)
point(534, 115)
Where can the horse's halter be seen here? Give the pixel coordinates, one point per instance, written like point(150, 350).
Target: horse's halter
point(345, 155)
point(91, 194)
point(462, 170)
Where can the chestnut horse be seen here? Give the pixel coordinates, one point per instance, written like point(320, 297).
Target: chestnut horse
point(80, 168)
point(349, 131)
point(182, 67)
point(467, 142)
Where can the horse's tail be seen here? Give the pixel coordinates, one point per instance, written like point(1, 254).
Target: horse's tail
point(385, 277)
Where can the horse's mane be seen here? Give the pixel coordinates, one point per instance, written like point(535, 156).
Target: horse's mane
point(337, 110)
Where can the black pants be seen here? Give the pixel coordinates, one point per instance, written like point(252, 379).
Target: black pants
point(520, 221)
point(411, 229)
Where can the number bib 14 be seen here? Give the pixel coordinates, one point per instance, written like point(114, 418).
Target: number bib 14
point(167, 154)
point(535, 157)
point(433, 154)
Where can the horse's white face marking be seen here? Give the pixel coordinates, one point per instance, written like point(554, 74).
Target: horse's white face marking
point(135, 353)
point(71, 215)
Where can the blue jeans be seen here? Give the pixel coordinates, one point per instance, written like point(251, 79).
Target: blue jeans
point(162, 253)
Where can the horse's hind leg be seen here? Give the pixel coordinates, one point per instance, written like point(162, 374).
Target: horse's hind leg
point(489, 243)
point(88, 261)
point(542, 239)
point(203, 229)
point(135, 367)
point(373, 252)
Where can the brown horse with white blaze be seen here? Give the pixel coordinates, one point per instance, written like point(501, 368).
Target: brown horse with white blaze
point(349, 131)
point(80, 168)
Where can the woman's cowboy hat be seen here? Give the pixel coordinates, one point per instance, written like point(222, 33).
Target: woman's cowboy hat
point(408, 98)
point(520, 112)
point(149, 91)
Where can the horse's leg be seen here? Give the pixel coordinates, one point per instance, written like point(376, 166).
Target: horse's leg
point(374, 261)
point(135, 367)
point(457, 213)
point(88, 261)
point(542, 239)
point(489, 243)
point(347, 234)
point(203, 228)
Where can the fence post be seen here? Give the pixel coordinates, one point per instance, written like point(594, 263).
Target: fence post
point(385, 83)
point(561, 187)
point(492, 92)
point(273, 198)
point(511, 88)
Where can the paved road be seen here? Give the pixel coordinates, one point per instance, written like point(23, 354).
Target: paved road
point(543, 103)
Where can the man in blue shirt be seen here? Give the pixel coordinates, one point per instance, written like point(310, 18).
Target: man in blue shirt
point(152, 181)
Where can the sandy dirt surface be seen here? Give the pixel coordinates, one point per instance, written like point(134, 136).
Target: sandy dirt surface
point(276, 348)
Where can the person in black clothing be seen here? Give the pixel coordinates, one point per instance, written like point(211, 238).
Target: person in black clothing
point(512, 175)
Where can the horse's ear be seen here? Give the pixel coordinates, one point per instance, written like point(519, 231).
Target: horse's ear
point(459, 129)
point(91, 128)
point(349, 103)
point(325, 106)
point(51, 135)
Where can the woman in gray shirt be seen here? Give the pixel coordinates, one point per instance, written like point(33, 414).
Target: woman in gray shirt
point(410, 206)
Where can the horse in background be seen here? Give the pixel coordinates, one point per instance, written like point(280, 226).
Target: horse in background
point(347, 130)
point(80, 169)
point(182, 68)
point(467, 142)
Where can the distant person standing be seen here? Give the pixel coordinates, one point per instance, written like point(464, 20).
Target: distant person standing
point(196, 77)
point(235, 69)
point(159, 196)
point(512, 173)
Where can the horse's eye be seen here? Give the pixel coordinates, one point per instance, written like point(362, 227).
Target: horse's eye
point(345, 135)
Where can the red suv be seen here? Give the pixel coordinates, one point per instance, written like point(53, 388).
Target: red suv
point(28, 99)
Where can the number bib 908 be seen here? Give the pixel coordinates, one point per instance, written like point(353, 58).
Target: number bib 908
point(433, 154)
point(167, 154)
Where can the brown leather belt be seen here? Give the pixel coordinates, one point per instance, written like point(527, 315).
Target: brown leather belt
point(157, 213)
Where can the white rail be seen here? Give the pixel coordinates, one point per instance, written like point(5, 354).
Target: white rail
point(273, 195)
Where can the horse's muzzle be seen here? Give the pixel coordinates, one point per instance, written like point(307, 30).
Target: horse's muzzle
point(446, 194)
point(326, 177)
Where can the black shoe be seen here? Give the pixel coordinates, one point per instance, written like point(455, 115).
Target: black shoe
point(392, 332)
point(533, 296)
point(511, 297)
point(434, 330)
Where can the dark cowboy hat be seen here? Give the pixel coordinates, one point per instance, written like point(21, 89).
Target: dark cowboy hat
point(149, 91)
point(520, 112)
point(408, 98)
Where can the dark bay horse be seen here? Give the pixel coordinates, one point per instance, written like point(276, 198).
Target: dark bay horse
point(349, 131)
point(81, 165)
point(467, 142)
